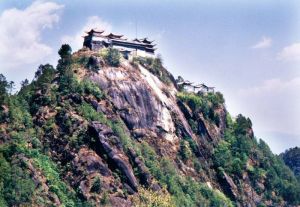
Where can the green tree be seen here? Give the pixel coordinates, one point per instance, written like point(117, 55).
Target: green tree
point(65, 60)
point(44, 75)
point(24, 83)
point(4, 85)
point(65, 51)
point(96, 188)
point(242, 125)
point(223, 156)
point(67, 81)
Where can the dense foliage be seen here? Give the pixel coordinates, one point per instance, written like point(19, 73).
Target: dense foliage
point(291, 158)
point(18, 160)
point(24, 156)
point(185, 191)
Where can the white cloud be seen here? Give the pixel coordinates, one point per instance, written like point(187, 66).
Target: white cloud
point(265, 42)
point(273, 105)
point(290, 53)
point(76, 40)
point(20, 33)
point(273, 86)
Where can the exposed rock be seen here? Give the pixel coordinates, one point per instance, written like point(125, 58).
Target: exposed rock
point(4, 108)
point(88, 160)
point(87, 167)
point(185, 109)
point(145, 176)
point(138, 96)
point(117, 157)
point(155, 187)
point(230, 186)
point(251, 197)
point(119, 202)
point(129, 189)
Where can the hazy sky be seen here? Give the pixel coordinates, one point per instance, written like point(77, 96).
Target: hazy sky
point(248, 50)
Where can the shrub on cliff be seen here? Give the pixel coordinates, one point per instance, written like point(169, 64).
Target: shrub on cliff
point(147, 197)
point(185, 150)
point(155, 66)
point(207, 104)
point(96, 187)
point(111, 56)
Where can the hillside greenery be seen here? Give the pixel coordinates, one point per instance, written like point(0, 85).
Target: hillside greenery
point(291, 158)
point(207, 104)
point(25, 149)
point(240, 153)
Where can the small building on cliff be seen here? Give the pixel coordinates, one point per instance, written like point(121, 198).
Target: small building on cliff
point(97, 39)
point(191, 87)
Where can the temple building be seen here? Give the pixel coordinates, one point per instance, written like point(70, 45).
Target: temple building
point(95, 40)
point(191, 87)
point(186, 85)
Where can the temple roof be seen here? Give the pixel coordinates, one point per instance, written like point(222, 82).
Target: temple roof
point(134, 43)
point(205, 86)
point(95, 31)
point(136, 40)
point(145, 40)
point(186, 82)
point(197, 86)
point(113, 36)
point(151, 46)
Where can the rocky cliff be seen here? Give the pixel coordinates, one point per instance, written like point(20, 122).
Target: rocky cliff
point(93, 133)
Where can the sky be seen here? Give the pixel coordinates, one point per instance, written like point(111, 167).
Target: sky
point(248, 50)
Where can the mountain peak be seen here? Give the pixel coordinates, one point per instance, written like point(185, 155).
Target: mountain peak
point(103, 128)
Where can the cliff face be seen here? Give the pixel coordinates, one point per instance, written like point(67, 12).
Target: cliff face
point(127, 136)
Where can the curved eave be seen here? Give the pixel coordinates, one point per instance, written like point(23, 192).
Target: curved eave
point(111, 35)
point(94, 31)
point(146, 41)
point(147, 48)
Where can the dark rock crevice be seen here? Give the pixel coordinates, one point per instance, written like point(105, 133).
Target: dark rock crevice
point(116, 159)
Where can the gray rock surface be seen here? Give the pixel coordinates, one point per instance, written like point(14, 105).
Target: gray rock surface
point(118, 158)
